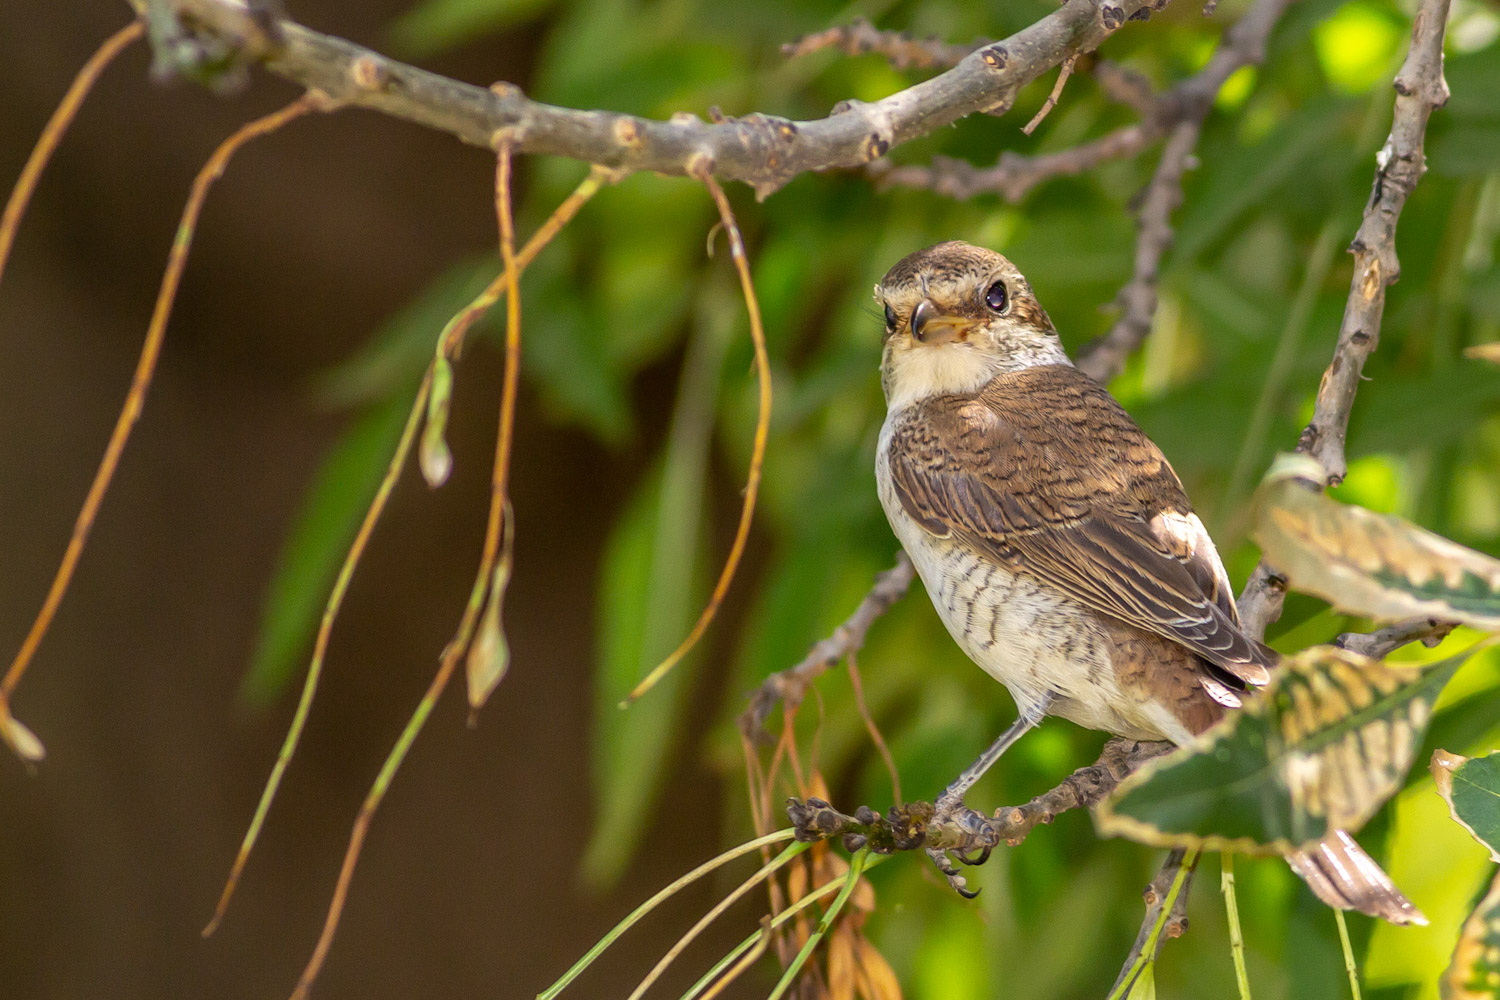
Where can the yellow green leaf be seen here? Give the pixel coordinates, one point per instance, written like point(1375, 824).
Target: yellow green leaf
point(1376, 565)
point(1475, 972)
point(1321, 748)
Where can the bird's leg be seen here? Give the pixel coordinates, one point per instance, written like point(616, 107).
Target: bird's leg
point(950, 809)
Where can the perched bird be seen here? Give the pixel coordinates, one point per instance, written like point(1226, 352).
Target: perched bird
point(1055, 540)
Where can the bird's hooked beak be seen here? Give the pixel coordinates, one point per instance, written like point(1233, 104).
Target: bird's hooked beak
point(932, 327)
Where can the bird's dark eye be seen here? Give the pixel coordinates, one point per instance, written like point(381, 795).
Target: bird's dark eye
point(890, 318)
point(995, 296)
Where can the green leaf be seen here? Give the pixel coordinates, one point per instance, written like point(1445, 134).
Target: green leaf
point(1377, 565)
point(1321, 748)
point(315, 545)
point(434, 25)
point(1471, 788)
point(647, 604)
point(1475, 972)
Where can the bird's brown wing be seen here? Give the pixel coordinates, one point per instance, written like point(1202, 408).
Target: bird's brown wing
point(1045, 472)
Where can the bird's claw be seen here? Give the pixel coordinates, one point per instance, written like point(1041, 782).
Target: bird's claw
point(955, 878)
point(951, 813)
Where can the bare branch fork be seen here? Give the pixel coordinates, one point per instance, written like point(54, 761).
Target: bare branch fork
point(760, 150)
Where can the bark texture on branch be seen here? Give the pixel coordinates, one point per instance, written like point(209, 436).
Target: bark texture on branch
point(1420, 90)
point(760, 150)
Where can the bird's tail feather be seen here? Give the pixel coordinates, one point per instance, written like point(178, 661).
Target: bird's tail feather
point(1342, 875)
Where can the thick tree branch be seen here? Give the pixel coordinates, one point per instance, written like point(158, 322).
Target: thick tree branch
point(760, 150)
point(1420, 89)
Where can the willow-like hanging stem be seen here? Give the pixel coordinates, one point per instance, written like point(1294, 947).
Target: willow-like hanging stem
point(53, 132)
point(454, 652)
point(145, 368)
point(449, 343)
point(757, 449)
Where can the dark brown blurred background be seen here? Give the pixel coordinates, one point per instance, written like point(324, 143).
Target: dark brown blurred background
point(113, 851)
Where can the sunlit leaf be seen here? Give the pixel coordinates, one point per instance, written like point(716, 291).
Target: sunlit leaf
point(1475, 972)
point(315, 544)
point(1376, 565)
point(1321, 748)
point(1471, 787)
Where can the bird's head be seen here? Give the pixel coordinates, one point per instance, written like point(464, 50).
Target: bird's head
point(956, 316)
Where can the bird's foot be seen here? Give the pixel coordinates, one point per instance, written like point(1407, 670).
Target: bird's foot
point(952, 821)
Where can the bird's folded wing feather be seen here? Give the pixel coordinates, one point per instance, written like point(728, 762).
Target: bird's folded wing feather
point(1045, 472)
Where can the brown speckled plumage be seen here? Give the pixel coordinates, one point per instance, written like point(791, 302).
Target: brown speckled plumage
point(1056, 542)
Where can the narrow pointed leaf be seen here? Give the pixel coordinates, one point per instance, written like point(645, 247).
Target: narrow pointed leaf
point(1321, 748)
point(1375, 565)
point(1471, 788)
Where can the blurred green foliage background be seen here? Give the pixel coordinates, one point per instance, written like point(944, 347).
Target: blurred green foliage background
point(1251, 298)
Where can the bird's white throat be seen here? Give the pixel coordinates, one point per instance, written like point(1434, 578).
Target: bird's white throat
point(914, 374)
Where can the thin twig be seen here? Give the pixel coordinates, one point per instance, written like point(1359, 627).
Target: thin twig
point(851, 662)
point(910, 827)
point(704, 172)
point(1420, 89)
point(1182, 113)
point(140, 382)
point(453, 654)
point(450, 345)
point(1051, 101)
point(1190, 100)
point(760, 150)
point(860, 37)
point(1382, 642)
point(1015, 174)
point(790, 685)
point(1166, 917)
point(55, 129)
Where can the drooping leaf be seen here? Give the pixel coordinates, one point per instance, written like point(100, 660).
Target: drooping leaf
point(316, 543)
point(1475, 972)
point(20, 739)
point(489, 656)
point(647, 604)
point(1471, 787)
point(1376, 565)
point(1321, 748)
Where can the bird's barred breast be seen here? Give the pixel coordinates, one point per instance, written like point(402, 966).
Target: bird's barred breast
point(1026, 636)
